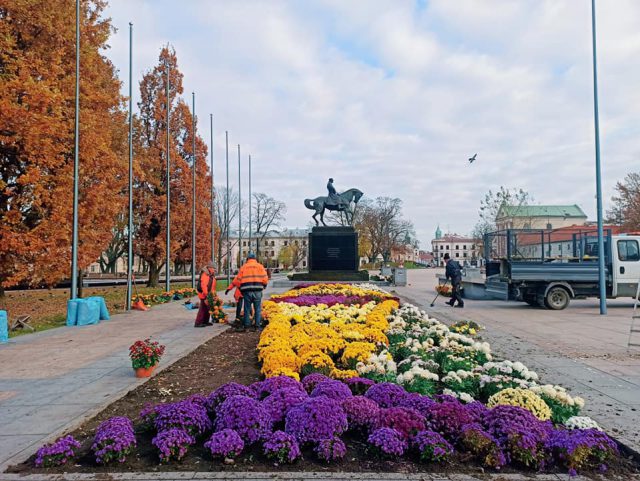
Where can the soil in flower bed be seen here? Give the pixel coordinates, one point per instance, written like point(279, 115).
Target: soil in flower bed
point(231, 357)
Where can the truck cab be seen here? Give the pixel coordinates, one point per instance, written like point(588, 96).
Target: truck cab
point(626, 265)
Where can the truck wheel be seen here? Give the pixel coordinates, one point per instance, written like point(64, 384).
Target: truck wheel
point(557, 298)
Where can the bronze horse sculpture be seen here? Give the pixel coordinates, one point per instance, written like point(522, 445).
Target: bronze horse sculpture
point(319, 204)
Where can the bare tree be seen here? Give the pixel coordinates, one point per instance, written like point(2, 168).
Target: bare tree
point(293, 253)
point(625, 210)
point(492, 203)
point(268, 214)
point(221, 223)
point(382, 229)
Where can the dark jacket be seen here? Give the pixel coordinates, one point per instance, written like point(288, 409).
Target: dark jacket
point(453, 271)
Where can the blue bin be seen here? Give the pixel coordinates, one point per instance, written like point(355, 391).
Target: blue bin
point(72, 312)
point(4, 327)
point(104, 312)
point(88, 312)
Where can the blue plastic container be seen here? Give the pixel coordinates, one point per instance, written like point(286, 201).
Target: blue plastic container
point(104, 312)
point(88, 312)
point(4, 327)
point(72, 312)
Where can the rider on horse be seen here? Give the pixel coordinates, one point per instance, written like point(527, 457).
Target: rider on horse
point(333, 195)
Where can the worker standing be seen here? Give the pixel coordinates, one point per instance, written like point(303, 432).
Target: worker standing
point(251, 280)
point(453, 271)
point(206, 284)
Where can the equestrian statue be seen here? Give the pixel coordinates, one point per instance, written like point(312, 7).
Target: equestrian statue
point(335, 202)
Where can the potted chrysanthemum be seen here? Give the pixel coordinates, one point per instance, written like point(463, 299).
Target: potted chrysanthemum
point(145, 355)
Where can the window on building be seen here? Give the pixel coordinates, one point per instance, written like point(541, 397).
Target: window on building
point(464, 247)
point(272, 254)
point(447, 247)
point(628, 251)
point(464, 254)
point(304, 263)
point(93, 268)
point(457, 254)
point(441, 247)
point(244, 243)
point(304, 242)
point(273, 243)
point(549, 226)
point(457, 247)
point(296, 241)
point(286, 243)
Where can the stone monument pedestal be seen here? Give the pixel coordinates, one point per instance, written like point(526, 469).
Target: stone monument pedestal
point(333, 255)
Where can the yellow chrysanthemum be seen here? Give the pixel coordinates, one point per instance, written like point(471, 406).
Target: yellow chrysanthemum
point(523, 398)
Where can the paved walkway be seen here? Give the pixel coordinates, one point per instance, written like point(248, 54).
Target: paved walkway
point(576, 348)
point(51, 381)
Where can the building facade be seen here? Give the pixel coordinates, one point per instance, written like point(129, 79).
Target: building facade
point(465, 250)
point(286, 249)
point(539, 216)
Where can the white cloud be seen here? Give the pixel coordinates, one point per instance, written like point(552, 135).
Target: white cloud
point(392, 98)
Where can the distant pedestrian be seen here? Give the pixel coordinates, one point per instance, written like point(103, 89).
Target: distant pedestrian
point(453, 271)
point(251, 279)
point(206, 284)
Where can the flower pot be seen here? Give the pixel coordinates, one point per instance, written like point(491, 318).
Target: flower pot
point(144, 371)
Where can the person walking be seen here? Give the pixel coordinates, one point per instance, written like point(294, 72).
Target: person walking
point(237, 296)
point(251, 280)
point(206, 284)
point(453, 271)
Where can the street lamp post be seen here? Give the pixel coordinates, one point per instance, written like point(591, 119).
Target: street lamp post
point(167, 274)
point(74, 234)
point(130, 229)
point(250, 228)
point(601, 259)
point(239, 212)
point(193, 207)
point(213, 205)
point(226, 213)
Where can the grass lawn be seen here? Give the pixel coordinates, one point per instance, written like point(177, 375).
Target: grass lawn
point(48, 307)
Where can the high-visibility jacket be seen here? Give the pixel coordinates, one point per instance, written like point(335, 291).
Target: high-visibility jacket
point(237, 295)
point(206, 284)
point(251, 277)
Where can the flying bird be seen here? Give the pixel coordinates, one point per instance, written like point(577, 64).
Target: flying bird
point(471, 159)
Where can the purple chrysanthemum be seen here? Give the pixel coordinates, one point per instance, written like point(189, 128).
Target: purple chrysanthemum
point(57, 453)
point(388, 442)
point(482, 445)
point(447, 418)
point(477, 410)
point(262, 389)
point(316, 419)
point(280, 401)
point(581, 449)
point(406, 421)
point(386, 394)
point(245, 415)
point(432, 446)
point(419, 402)
point(362, 413)
point(184, 415)
point(225, 444)
point(225, 391)
point(331, 449)
point(282, 447)
point(332, 389)
point(172, 444)
point(114, 440)
point(359, 385)
point(310, 381)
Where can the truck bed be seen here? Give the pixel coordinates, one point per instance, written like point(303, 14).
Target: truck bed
point(554, 271)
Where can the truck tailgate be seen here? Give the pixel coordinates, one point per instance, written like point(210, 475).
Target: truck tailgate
point(496, 288)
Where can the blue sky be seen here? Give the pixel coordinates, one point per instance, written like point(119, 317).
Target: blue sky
point(393, 96)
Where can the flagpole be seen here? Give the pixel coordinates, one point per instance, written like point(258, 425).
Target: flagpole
point(213, 205)
point(226, 214)
point(74, 234)
point(250, 227)
point(167, 273)
point(193, 167)
point(239, 212)
point(130, 229)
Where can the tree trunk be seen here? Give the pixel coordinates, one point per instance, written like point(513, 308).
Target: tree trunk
point(1, 292)
point(80, 283)
point(154, 275)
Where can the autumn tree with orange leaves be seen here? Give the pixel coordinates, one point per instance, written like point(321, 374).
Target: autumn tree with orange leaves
point(150, 193)
point(37, 67)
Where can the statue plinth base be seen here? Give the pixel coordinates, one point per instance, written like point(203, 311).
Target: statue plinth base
point(333, 256)
point(333, 249)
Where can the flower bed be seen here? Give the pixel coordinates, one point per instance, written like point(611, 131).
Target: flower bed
point(174, 295)
point(426, 397)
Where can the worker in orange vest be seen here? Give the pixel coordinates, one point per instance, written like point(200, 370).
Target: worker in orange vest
point(206, 284)
point(251, 279)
